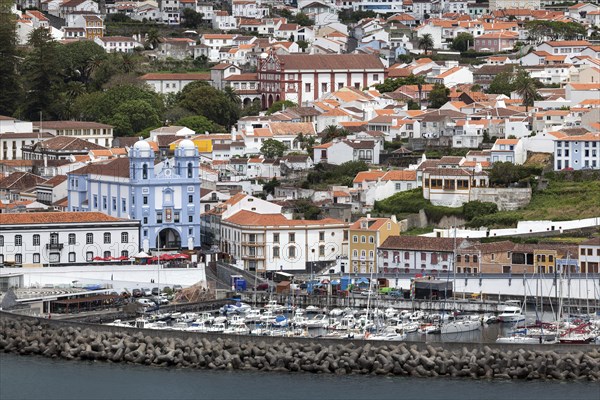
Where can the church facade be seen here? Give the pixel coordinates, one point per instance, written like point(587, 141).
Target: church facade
point(164, 196)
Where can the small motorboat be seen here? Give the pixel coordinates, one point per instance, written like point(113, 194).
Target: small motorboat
point(313, 310)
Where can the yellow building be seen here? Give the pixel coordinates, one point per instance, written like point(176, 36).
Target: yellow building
point(365, 236)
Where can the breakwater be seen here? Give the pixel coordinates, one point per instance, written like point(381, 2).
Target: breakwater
point(71, 340)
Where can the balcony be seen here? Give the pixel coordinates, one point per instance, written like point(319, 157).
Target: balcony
point(54, 246)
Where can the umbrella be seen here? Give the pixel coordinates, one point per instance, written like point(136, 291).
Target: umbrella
point(122, 258)
point(141, 254)
point(181, 256)
point(98, 258)
point(167, 257)
point(362, 280)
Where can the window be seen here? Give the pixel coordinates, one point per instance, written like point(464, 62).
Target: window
point(355, 254)
point(276, 238)
point(36, 258)
point(71, 238)
point(406, 255)
point(355, 239)
point(145, 200)
point(18, 258)
point(292, 237)
point(275, 252)
point(145, 220)
point(125, 253)
point(371, 239)
point(54, 238)
point(114, 204)
point(123, 205)
point(321, 250)
point(176, 217)
point(145, 171)
point(36, 240)
point(190, 198)
point(398, 186)
point(323, 87)
point(190, 170)
point(106, 237)
point(95, 201)
point(467, 258)
point(458, 258)
point(124, 237)
point(363, 239)
point(321, 236)
point(104, 202)
point(371, 254)
point(159, 217)
point(18, 240)
point(307, 87)
point(72, 256)
point(107, 254)
point(292, 252)
point(1, 240)
point(475, 259)
point(375, 77)
point(89, 238)
point(190, 218)
point(423, 256)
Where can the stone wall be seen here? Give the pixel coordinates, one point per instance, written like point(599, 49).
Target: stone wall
point(507, 199)
point(80, 341)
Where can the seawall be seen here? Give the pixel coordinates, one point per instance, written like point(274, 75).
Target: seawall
point(84, 341)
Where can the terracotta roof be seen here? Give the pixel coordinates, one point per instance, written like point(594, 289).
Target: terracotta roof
point(251, 76)
point(55, 180)
point(56, 218)
point(368, 176)
point(249, 218)
point(400, 175)
point(71, 125)
point(373, 224)
point(25, 135)
point(421, 243)
point(292, 128)
point(191, 76)
point(591, 242)
point(66, 143)
point(118, 167)
point(331, 61)
point(567, 43)
point(20, 181)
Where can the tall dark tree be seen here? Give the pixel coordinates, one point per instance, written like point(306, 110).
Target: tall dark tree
point(10, 90)
point(426, 43)
point(42, 76)
point(438, 96)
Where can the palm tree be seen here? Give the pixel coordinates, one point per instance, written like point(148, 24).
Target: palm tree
point(426, 43)
point(128, 63)
point(153, 39)
point(332, 132)
point(232, 95)
point(525, 86)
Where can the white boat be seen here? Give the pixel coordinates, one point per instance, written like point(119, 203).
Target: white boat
point(198, 326)
point(518, 339)
point(118, 322)
point(390, 312)
point(217, 327)
point(281, 321)
point(417, 316)
point(237, 330)
point(267, 317)
point(273, 306)
point(336, 312)
point(252, 316)
point(429, 329)
point(347, 322)
point(407, 327)
point(386, 335)
point(236, 320)
point(299, 320)
point(460, 326)
point(511, 312)
point(320, 321)
point(180, 326)
point(205, 317)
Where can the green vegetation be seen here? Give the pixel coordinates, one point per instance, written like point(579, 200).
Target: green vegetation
point(272, 148)
point(438, 96)
point(411, 202)
point(348, 16)
point(326, 174)
point(280, 105)
point(505, 173)
point(560, 201)
point(448, 151)
point(521, 82)
point(305, 209)
point(200, 124)
point(333, 132)
point(9, 82)
point(418, 231)
point(462, 41)
point(554, 30)
point(391, 84)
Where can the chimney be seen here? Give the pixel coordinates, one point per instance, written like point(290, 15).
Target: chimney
point(393, 218)
point(368, 216)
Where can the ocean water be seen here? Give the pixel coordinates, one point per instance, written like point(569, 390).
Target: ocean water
point(33, 377)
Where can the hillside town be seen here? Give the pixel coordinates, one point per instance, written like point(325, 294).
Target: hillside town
point(312, 137)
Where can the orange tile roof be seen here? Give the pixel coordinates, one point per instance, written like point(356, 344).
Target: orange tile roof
point(339, 193)
point(56, 218)
point(400, 175)
point(249, 218)
point(585, 86)
point(368, 176)
point(507, 141)
point(375, 224)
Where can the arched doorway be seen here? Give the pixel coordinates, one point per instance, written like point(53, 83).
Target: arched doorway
point(270, 101)
point(247, 102)
point(168, 238)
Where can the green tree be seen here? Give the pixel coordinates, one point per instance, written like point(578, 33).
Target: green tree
point(42, 76)
point(303, 44)
point(477, 208)
point(438, 96)
point(302, 19)
point(280, 105)
point(306, 143)
point(153, 39)
point(133, 116)
point(191, 18)
point(80, 59)
point(413, 105)
point(232, 96)
point(269, 187)
point(203, 99)
point(426, 43)
point(462, 41)
point(200, 124)
point(501, 84)
point(391, 84)
point(10, 88)
point(272, 148)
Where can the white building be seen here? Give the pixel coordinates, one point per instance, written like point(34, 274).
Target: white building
point(341, 151)
point(94, 132)
point(65, 238)
point(165, 83)
point(272, 242)
point(577, 152)
point(121, 44)
point(589, 256)
point(508, 150)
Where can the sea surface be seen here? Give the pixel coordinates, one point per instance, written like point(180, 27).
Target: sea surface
point(34, 377)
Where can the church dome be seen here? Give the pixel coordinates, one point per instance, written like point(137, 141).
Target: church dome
point(142, 145)
point(187, 144)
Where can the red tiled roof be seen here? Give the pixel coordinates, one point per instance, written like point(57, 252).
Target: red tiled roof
point(56, 218)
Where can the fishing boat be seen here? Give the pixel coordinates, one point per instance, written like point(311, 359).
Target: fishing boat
point(429, 329)
point(320, 321)
point(252, 316)
point(511, 312)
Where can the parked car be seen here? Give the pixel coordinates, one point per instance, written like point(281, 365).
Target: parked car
point(147, 291)
point(146, 302)
point(161, 299)
point(155, 291)
point(396, 293)
point(177, 288)
point(137, 293)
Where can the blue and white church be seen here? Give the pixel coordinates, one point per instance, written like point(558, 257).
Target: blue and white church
point(164, 196)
